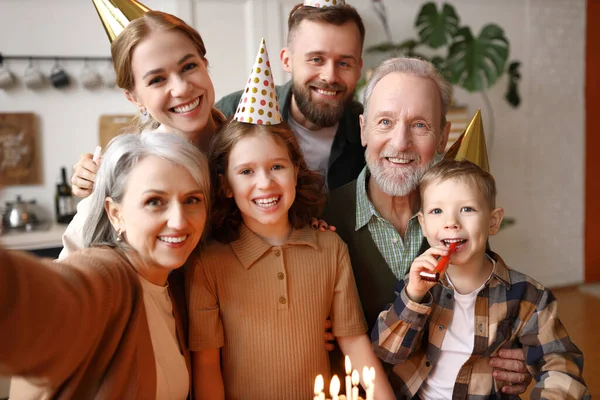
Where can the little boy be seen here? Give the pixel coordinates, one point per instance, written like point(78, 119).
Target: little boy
point(440, 336)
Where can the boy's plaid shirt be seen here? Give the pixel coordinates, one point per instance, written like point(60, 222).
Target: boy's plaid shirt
point(511, 311)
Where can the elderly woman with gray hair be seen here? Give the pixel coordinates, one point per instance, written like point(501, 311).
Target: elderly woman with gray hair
point(108, 321)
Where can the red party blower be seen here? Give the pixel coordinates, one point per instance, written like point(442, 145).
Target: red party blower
point(441, 266)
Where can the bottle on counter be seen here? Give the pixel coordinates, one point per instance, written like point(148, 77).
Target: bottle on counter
point(63, 200)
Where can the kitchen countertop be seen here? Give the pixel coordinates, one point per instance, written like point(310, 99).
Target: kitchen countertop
point(34, 240)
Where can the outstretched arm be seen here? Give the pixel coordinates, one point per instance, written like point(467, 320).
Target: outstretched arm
point(49, 310)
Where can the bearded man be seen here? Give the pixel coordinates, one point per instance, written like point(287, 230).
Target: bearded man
point(323, 55)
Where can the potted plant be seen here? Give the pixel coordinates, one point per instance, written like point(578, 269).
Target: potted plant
point(474, 63)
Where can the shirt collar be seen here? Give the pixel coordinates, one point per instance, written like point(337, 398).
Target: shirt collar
point(365, 210)
point(250, 247)
point(500, 271)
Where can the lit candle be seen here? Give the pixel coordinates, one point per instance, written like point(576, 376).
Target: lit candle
point(319, 385)
point(371, 389)
point(348, 379)
point(355, 382)
point(334, 387)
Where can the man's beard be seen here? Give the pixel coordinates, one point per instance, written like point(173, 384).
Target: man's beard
point(322, 113)
point(396, 181)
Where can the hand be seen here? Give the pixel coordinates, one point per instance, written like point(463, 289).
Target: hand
point(510, 367)
point(84, 175)
point(329, 338)
point(319, 224)
point(417, 288)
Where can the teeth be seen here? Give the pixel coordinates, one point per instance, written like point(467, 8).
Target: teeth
point(448, 241)
point(271, 201)
point(325, 92)
point(188, 107)
point(399, 160)
point(170, 239)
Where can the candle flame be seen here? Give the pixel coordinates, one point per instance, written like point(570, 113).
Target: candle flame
point(319, 384)
point(366, 376)
point(372, 373)
point(334, 386)
point(355, 378)
point(348, 365)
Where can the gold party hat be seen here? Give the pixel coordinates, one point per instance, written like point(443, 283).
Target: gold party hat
point(470, 145)
point(259, 104)
point(323, 3)
point(116, 14)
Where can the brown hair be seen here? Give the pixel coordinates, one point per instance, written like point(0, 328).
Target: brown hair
point(336, 15)
point(226, 216)
point(465, 171)
point(134, 33)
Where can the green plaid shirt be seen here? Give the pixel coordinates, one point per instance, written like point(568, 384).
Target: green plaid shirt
point(399, 254)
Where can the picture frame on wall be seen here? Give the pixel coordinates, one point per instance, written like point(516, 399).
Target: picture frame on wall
point(19, 150)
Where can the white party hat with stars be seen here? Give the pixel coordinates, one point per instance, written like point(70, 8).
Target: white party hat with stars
point(259, 104)
point(323, 3)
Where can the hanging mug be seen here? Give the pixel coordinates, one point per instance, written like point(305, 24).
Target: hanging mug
point(59, 77)
point(33, 77)
point(90, 79)
point(7, 79)
point(109, 77)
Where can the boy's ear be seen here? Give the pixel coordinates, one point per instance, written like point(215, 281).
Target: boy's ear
point(496, 220)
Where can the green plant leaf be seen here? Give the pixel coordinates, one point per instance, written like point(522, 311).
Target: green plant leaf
point(435, 28)
point(476, 63)
point(405, 47)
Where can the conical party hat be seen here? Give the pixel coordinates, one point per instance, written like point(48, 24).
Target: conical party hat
point(116, 14)
point(323, 3)
point(470, 145)
point(259, 104)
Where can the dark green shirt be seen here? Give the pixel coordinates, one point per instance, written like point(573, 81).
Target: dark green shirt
point(347, 156)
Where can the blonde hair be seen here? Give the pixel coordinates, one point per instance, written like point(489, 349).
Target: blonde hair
point(134, 33)
point(466, 172)
point(226, 217)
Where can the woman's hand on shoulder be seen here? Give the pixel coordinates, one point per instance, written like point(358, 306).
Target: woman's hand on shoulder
point(320, 225)
point(84, 175)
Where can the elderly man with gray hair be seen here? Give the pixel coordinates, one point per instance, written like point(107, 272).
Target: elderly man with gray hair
point(403, 126)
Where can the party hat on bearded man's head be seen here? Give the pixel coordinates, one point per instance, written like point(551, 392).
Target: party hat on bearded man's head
point(323, 3)
point(116, 14)
point(470, 145)
point(259, 104)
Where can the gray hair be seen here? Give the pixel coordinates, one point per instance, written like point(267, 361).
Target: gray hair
point(412, 66)
point(123, 153)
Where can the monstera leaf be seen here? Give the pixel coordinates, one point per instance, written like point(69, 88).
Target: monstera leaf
point(405, 47)
point(435, 28)
point(476, 63)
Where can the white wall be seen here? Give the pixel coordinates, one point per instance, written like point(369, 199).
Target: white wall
point(538, 149)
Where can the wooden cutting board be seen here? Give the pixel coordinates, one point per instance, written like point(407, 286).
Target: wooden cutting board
point(110, 126)
point(19, 149)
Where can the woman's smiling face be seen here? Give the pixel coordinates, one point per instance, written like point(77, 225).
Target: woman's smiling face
point(172, 82)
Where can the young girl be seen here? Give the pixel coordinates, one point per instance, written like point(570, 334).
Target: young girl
point(262, 292)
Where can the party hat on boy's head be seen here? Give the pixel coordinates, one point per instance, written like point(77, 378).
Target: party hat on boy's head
point(116, 14)
point(259, 104)
point(470, 145)
point(323, 3)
